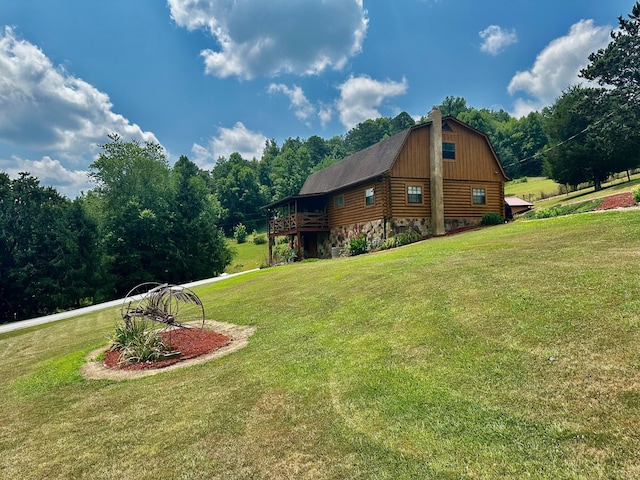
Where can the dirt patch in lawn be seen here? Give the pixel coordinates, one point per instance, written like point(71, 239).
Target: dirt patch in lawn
point(216, 340)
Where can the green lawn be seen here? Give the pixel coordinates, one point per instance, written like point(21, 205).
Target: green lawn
point(504, 352)
point(248, 255)
point(610, 188)
point(533, 189)
point(544, 192)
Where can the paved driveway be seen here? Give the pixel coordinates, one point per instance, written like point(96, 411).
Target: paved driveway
point(9, 327)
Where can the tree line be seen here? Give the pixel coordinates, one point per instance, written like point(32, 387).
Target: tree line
point(147, 221)
point(144, 221)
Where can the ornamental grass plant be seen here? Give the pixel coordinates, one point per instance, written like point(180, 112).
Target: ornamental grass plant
point(138, 342)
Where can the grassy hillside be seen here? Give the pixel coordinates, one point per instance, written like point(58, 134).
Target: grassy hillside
point(505, 352)
point(546, 193)
point(248, 255)
point(532, 189)
point(611, 188)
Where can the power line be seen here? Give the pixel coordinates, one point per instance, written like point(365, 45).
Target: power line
point(559, 144)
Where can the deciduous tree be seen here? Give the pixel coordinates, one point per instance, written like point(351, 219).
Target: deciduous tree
point(617, 67)
point(578, 154)
point(238, 190)
point(134, 193)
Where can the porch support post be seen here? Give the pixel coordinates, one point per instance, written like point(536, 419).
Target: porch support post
point(269, 237)
point(295, 209)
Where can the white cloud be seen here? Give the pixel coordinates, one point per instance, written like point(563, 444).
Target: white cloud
point(302, 107)
point(229, 140)
point(202, 156)
point(299, 103)
point(258, 37)
point(361, 96)
point(558, 66)
point(45, 107)
point(325, 113)
point(496, 39)
point(50, 172)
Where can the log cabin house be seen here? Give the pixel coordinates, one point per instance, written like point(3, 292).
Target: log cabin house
point(433, 177)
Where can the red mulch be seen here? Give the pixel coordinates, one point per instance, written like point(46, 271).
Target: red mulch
point(617, 201)
point(181, 341)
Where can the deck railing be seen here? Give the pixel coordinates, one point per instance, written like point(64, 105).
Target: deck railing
point(299, 222)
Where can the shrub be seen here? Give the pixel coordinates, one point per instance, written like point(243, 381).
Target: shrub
point(560, 210)
point(388, 243)
point(240, 233)
point(357, 244)
point(545, 213)
point(405, 238)
point(400, 239)
point(636, 195)
point(285, 254)
point(264, 264)
point(491, 219)
point(259, 238)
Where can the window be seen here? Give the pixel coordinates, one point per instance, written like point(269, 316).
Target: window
point(369, 198)
point(479, 196)
point(338, 201)
point(449, 150)
point(414, 194)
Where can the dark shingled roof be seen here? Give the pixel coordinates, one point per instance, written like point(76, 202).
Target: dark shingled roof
point(363, 165)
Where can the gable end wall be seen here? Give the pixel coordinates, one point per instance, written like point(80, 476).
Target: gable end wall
point(474, 167)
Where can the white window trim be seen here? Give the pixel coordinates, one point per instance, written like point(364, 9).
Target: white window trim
point(367, 196)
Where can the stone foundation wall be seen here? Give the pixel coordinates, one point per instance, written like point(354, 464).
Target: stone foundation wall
point(453, 223)
point(324, 246)
point(423, 225)
point(375, 231)
point(400, 225)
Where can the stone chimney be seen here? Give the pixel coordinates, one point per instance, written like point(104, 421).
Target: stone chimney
point(435, 164)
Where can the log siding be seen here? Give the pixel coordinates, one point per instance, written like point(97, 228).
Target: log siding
point(354, 209)
point(413, 159)
point(458, 199)
point(393, 165)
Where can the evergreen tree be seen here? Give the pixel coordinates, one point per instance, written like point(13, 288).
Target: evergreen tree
point(201, 251)
point(617, 67)
point(46, 250)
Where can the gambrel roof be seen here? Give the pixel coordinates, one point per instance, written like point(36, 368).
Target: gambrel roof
point(370, 163)
point(358, 167)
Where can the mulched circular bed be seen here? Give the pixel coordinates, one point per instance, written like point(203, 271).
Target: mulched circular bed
point(206, 342)
point(618, 200)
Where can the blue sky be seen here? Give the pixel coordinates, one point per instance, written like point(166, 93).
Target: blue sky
point(205, 78)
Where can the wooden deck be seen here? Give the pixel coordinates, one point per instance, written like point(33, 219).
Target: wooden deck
point(299, 222)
